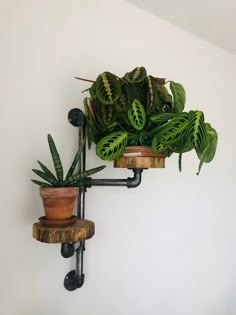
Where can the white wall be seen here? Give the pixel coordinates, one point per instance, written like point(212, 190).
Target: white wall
point(166, 247)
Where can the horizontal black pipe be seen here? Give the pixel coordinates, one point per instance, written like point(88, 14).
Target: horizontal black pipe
point(130, 182)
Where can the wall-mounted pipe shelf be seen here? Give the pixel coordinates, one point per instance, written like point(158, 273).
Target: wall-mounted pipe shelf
point(82, 229)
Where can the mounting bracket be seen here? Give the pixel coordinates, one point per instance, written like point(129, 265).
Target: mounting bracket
point(75, 278)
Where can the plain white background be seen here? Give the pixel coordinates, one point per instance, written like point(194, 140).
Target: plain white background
point(166, 247)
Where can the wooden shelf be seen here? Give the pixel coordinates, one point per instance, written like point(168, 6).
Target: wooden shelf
point(139, 162)
point(80, 230)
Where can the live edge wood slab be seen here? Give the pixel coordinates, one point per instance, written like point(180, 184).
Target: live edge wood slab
point(80, 230)
point(139, 162)
point(140, 157)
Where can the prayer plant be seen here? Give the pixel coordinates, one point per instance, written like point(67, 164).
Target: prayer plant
point(139, 109)
point(71, 179)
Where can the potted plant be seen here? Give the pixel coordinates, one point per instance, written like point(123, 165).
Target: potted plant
point(141, 110)
point(59, 193)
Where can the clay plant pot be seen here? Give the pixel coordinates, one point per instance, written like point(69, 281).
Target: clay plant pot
point(140, 157)
point(58, 201)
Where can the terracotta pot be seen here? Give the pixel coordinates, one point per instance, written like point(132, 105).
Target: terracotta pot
point(58, 201)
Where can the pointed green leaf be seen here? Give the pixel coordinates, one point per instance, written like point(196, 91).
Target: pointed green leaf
point(48, 172)
point(76, 178)
point(37, 182)
point(56, 158)
point(76, 159)
point(45, 176)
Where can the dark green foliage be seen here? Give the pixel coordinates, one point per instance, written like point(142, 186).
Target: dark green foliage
point(140, 109)
point(153, 96)
point(70, 179)
point(56, 159)
point(207, 153)
point(197, 130)
point(136, 76)
point(170, 133)
point(179, 96)
point(108, 88)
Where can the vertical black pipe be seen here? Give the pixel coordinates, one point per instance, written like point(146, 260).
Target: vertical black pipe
point(81, 202)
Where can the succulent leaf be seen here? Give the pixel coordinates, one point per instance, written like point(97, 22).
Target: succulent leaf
point(76, 159)
point(46, 176)
point(56, 158)
point(112, 146)
point(137, 115)
point(76, 178)
point(47, 171)
point(37, 182)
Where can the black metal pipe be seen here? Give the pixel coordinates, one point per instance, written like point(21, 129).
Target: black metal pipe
point(130, 182)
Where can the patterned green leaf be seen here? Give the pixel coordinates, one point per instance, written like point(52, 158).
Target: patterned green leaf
point(56, 158)
point(137, 115)
point(197, 130)
point(166, 98)
point(153, 96)
point(108, 88)
point(170, 133)
point(160, 119)
point(112, 146)
point(93, 90)
point(135, 76)
point(209, 150)
point(179, 96)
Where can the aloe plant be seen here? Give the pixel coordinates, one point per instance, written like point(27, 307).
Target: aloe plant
point(71, 179)
point(140, 109)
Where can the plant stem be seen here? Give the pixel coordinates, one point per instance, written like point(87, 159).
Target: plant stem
point(84, 79)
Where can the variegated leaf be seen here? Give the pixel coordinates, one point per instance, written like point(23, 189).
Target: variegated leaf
point(135, 76)
point(179, 96)
point(137, 115)
point(108, 88)
point(209, 150)
point(197, 130)
point(112, 146)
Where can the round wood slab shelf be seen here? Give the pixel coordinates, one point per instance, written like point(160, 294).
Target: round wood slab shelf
point(140, 157)
point(80, 230)
point(139, 162)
